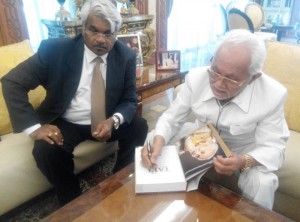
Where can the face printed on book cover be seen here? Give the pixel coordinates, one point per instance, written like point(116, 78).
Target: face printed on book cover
point(201, 145)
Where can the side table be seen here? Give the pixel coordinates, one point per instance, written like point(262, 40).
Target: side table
point(150, 82)
point(280, 29)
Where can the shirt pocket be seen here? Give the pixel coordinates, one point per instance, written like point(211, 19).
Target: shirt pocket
point(242, 129)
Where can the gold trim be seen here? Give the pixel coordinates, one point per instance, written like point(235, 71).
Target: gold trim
point(220, 141)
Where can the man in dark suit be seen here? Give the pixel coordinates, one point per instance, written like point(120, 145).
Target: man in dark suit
point(64, 67)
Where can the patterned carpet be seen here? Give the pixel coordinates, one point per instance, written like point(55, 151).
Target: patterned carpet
point(45, 204)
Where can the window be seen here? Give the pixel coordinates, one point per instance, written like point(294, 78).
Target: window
point(34, 11)
point(193, 28)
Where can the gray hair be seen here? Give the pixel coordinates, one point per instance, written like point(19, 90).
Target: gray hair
point(252, 42)
point(106, 9)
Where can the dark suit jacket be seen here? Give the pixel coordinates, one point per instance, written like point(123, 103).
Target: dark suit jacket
point(57, 67)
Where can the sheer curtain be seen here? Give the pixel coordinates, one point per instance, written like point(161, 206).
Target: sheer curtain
point(193, 28)
point(34, 11)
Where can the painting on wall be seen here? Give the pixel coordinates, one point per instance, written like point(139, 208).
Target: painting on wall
point(133, 41)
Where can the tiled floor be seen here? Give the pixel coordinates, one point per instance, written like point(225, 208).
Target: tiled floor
point(154, 107)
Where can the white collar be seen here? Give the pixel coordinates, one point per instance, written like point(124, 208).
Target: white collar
point(90, 55)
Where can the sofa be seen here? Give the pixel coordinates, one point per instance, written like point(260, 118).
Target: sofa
point(20, 179)
point(283, 64)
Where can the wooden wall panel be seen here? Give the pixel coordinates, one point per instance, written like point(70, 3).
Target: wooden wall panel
point(12, 22)
point(142, 6)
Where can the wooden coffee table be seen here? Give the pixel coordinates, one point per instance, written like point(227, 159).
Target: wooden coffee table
point(114, 199)
point(150, 82)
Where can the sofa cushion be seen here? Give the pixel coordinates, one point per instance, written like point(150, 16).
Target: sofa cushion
point(282, 63)
point(10, 56)
point(289, 177)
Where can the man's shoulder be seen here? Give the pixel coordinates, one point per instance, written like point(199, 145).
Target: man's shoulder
point(56, 43)
point(272, 85)
point(198, 74)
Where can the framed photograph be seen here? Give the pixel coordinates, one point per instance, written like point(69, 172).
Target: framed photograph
point(133, 41)
point(167, 60)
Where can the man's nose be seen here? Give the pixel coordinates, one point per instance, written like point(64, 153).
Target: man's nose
point(100, 37)
point(220, 82)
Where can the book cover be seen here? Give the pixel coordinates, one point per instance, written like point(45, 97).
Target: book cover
point(180, 167)
point(198, 149)
point(166, 176)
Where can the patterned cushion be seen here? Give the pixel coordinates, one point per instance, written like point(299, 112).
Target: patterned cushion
point(282, 63)
point(10, 56)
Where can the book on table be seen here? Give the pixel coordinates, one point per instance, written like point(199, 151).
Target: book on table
point(180, 167)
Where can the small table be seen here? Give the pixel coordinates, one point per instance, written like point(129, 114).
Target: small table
point(150, 82)
point(114, 199)
point(280, 29)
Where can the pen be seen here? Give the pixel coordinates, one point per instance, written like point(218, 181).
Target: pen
point(149, 150)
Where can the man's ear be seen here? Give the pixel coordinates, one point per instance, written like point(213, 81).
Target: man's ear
point(254, 77)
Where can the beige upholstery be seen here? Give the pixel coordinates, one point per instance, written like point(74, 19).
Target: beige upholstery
point(10, 56)
point(20, 179)
point(282, 64)
point(239, 20)
point(256, 13)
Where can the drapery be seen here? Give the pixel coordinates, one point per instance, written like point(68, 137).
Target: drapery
point(193, 28)
point(35, 10)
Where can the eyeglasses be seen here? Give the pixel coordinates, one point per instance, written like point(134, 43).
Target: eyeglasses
point(230, 82)
point(99, 34)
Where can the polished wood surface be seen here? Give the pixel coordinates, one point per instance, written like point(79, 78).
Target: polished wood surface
point(150, 82)
point(115, 200)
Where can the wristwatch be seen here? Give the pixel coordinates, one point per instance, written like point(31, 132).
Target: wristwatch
point(116, 120)
point(247, 165)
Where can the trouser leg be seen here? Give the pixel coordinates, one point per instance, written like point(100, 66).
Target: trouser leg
point(129, 137)
point(57, 165)
point(56, 162)
point(259, 186)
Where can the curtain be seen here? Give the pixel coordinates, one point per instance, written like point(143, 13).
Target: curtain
point(35, 10)
point(193, 28)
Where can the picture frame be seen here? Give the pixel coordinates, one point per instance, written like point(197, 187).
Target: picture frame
point(133, 41)
point(167, 60)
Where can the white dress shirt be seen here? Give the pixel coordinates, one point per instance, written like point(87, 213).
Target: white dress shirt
point(253, 122)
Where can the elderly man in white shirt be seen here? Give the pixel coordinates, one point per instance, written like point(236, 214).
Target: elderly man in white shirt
point(244, 104)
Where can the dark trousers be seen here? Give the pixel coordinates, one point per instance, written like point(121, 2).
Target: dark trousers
point(57, 164)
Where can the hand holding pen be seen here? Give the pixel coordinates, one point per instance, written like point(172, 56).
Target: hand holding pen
point(149, 152)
